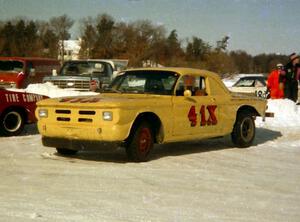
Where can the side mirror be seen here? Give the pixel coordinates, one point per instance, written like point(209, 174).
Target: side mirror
point(32, 72)
point(115, 73)
point(54, 72)
point(187, 93)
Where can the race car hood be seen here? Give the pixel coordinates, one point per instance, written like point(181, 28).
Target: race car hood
point(111, 100)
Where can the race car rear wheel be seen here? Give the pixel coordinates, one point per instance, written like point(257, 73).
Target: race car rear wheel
point(244, 130)
point(66, 152)
point(11, 123)
point(140, 143)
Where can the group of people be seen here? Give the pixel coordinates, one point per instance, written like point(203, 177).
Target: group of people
point(283, 81)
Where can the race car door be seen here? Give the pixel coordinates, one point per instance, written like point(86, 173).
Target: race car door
point(195, 114)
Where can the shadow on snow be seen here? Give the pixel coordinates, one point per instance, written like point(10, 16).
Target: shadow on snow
point(118, 155)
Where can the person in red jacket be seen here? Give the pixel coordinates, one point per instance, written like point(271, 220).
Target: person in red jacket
point(275, 88)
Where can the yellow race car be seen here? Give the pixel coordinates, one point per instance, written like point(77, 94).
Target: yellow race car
point(146, 106)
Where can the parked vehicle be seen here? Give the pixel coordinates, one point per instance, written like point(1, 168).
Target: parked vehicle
point(150, 105)
point(19, 72)
point(85, 75)
point(254, 84)
point(16, 109)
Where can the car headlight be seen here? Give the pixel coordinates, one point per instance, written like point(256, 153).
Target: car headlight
point(43, 113)
point(107, 116)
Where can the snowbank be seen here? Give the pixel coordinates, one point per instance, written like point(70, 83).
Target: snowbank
point(287, 114)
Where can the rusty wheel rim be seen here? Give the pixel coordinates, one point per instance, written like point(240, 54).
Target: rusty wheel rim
point(144, 142)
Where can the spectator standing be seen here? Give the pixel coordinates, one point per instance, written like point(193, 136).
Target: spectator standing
point(276, 91)
point(290, 78)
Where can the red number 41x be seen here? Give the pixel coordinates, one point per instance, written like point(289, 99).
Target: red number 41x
point(211, 120)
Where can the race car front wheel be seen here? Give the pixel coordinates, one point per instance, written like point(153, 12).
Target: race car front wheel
point(244, 130)
point(140, 143)
point(11, 123)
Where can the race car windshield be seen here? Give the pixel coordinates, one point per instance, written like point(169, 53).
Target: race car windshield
point(13, 67)
point(144, 82)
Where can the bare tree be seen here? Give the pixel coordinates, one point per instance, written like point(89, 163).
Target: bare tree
point(242, 60)
point(61, 26)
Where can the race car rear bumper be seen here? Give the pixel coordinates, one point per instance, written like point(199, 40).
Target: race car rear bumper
point(268, 114)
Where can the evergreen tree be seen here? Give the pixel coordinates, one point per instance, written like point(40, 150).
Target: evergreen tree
point(197, 49)
point(8, 40)
point(222, 44)
point(88, 38)
point(103, 44)
point(174, 51)
point(49, 43)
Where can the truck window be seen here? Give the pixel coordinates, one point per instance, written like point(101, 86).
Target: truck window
point(11, 67)
point(89, 68)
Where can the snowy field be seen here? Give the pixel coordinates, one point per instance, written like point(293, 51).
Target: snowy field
point(206, 180)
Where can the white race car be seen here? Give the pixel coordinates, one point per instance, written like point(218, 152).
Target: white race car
point(254, 84)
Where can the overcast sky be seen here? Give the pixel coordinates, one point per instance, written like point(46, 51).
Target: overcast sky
point(256, 26)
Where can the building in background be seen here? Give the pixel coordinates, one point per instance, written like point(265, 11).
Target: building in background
point(70, 50)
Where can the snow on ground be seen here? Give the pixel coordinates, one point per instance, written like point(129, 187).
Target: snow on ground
point(208, 180)
point(287, 115)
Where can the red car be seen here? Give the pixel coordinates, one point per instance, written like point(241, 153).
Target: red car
point(16, 109)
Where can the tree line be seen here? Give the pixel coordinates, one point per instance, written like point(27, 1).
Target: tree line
point(141, 42)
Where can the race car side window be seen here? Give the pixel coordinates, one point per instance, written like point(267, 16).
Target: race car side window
point(258, 83)
point(200, 88)
point(196, 84)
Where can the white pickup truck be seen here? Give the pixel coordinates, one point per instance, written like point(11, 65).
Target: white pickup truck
point(88, 74)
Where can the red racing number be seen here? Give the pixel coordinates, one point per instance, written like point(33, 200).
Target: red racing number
point(212, 119)
point(193, 116)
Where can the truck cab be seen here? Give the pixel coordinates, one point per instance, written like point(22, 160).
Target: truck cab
point(86, 75)
point(19, 72)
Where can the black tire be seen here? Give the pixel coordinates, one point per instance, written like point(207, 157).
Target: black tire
point(244, 130)
point(66, 152)
point(11, 123)
point(140, 143)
